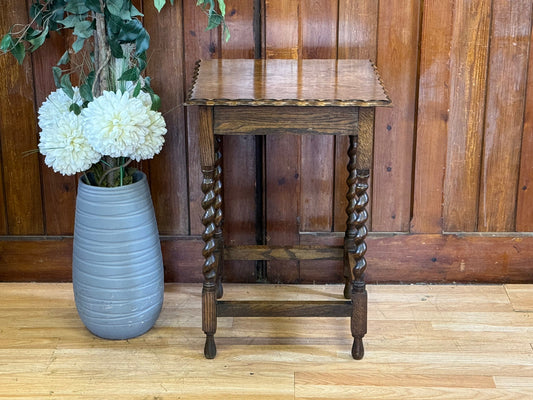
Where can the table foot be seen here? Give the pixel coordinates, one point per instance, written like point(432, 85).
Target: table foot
point(210, 348)
point(358, 350)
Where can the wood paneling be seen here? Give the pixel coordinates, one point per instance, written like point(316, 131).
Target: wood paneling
point(168, 170)
point(319, 40)
point(504, 114)
point(21, 178)
point(524, 207)
point(432, 123)
point(357, 38)
point(197, 44)
point(468, 68)
point(453, 154)
point(392, 258)
point(239, 168)
point(282, 171)
point(394, 127)
point(59, 192)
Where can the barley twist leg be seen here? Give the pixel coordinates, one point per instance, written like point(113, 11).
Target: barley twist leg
point(218, 236)
point(355, 248)
point(209, 316)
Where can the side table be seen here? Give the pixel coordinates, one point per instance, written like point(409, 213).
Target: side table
point(300, 97)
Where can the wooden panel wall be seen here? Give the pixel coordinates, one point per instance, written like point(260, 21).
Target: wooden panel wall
point(452, 181)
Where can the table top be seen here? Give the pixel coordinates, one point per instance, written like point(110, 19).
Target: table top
point(234, 82)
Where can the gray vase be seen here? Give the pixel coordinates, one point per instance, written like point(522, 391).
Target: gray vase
point(117, 267)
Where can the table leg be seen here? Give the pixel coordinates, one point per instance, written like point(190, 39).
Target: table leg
point(355, 248)
point(209, 270)
point(219, 238)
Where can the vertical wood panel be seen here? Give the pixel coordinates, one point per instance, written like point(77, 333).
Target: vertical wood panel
point(394, 128)
point(524, 207)
point(319, 40)
point(59, 192)
point(432, 123)
point(239, 169)
point(198, 43)
point(506, 87)
point(282, 153)
point(357, 38)
point(22, 187)
point(468, 69)
point(168, 170)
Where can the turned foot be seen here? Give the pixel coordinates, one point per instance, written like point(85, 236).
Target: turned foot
point(210, 348)
point(358, 350)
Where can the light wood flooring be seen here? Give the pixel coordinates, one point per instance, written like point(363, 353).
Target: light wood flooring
point(423, 342)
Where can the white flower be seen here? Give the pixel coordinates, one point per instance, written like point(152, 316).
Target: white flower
point(119, 125)
point(116, 124)
point(65, 147)
point(57, 103)
point(146, 99)
point(154, 139)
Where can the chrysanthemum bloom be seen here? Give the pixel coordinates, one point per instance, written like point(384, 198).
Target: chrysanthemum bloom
point(116, 124)
point(57, 103)
point(65, 147)
point(154, 139)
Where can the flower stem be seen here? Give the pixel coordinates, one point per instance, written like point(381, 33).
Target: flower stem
point(110, 173)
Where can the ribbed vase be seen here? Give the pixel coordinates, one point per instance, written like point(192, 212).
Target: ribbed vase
point(117, 267)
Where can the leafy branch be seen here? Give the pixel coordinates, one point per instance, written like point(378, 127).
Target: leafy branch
point(123, 30)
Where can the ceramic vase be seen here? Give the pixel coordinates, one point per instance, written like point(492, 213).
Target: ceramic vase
point(117, 269)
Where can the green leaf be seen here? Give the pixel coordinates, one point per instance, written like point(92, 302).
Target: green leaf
point(76, 7)
point(129, 31)
point(56, 72)
point(93, 5)
point(6, 43)
point(75, 108)
point(66, 85)
point(214, 21)
point(38, 40)
point(83, 29)
point(86, 92)
point(156, 101)
point(131, 74)
point(114, 7)
point(116, 49)
point(137, 89)
point(141, 61)
point(86, 89)
point(70, 21)
point(222, 7)
point(119, 8)
point(65, 58)
point(134, 12)
point(159, 4)
point(19, 51)
point(143, 42)
point(78, 44)
point(226, 33)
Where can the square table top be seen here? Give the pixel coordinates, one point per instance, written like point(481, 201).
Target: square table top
point(273, 82)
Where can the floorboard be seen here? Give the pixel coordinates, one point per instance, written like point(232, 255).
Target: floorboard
point(423, 342)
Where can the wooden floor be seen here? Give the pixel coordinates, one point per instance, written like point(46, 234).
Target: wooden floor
point(423, 342)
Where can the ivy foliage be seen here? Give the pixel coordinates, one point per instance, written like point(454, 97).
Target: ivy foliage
point(123, 28)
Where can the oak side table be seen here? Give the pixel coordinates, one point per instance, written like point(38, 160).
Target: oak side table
point(299, 97)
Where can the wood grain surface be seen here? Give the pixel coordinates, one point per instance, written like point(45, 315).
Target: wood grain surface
point(423, 341)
